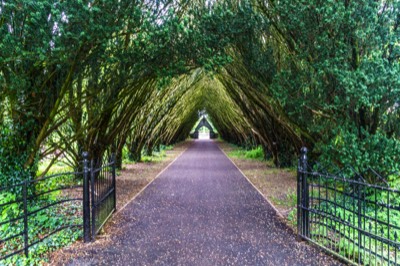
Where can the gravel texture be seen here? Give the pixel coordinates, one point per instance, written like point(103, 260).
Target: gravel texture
point(200, 211)
point(278, 185)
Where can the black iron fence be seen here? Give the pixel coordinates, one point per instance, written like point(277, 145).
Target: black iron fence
point(347, 216)
point(102, 192)
point(77, 201)
point(45, 207)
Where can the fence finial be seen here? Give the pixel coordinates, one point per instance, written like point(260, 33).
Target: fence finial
point(303, 158)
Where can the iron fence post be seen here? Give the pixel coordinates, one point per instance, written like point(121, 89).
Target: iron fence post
point(94, 207)
point(299, 201)
point(359, 223)
point(86, 198)
point(26, 229)
point(113, 158)
point(304, 193)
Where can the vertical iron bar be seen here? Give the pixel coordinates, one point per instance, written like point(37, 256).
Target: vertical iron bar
point(329, 216)
point(364, 220)
point(93, 202)
point(26, 229)
point(305, 190)
point(311, 193)
point(376, 225)
point(335, 214)
point(114, 181)
point(343, 222)
point(359, 223)
point(388, 224)
point(319, 207)
point(354, 222)
point(86, 198)
point(299, 201)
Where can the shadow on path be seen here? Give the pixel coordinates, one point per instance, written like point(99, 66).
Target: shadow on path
point(201, 211)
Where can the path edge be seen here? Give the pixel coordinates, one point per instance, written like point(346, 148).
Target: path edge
point(331, 255)
point(256, 188)
point(156, 177)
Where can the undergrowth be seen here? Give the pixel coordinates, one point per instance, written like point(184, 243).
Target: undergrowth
point(156, 155)
point(57, 225)
point(241, 153)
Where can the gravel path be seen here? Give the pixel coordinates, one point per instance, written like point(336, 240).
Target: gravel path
point(201, 211)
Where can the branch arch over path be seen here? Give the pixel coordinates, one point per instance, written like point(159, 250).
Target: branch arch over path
point(134, 74)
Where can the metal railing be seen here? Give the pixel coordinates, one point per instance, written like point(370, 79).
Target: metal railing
point(355, 220)
point(102, 194)
point(83, 200)
point(22, 212)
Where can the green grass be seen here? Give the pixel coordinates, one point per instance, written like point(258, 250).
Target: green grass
point(167, 148)
point(256, 153)
point(290, 202)
point(58, 167)
point(290, 199)
point(156, 157)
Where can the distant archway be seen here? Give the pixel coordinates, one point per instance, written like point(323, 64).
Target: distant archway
point(204, 123)
point(204, 133)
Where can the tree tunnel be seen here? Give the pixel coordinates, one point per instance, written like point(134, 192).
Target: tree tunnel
point(134, 74)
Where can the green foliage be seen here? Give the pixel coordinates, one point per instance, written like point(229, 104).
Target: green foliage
point(60, 166)
point(41, 193)
point(39, 225)
point(123, 75)
point(9, 211)
point(341, 83)
point(125, 155)
point(155, 157)
point(375, 151)
point(166, 147)
point(296, 74)
point(157, 154)
point(12, 155)
point(292, 217)
point(254, 153)
point(39, 251)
